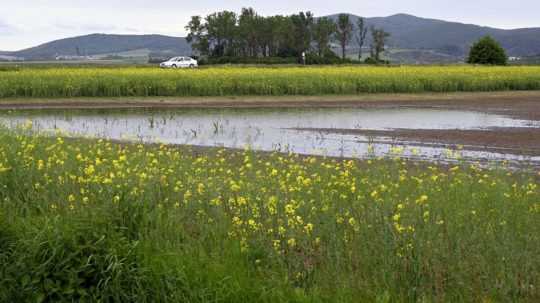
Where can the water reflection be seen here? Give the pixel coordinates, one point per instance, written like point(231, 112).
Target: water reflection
point(271, 129)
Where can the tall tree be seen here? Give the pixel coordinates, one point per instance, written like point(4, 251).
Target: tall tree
point(302, 31)
point(323, 30)
point(379, 37)
point(361, 35)
point(197, 35)
point(277, 34)
point(221, 28)
point(344, 32)
point(247, 28)
point(285, 41)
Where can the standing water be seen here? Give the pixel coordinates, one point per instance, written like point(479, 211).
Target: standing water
point(273, 129)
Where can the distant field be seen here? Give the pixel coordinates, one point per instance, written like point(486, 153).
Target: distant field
point(261, 81)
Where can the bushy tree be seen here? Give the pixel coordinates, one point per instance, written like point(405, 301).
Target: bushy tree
point(248, 34)
point(197, 35)
point(487, 51)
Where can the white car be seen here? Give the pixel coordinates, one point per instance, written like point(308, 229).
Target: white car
point(179, 62)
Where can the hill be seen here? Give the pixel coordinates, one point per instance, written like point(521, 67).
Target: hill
point(413, 39)
point(451, 38)
point(103, 44)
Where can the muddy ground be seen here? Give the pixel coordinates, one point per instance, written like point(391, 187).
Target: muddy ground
point(522, 104)
point(519, 141)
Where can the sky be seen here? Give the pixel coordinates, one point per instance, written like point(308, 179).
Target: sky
point(27, 23)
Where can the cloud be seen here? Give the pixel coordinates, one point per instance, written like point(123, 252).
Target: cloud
point(91, 28)
point(7, 29)
point(31, 22)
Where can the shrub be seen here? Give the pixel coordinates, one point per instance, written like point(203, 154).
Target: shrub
point(327, 59)
point(247, 60)
point(374, 61)
point(487, 51)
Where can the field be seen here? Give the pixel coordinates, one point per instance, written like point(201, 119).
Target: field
point(89, 220)
point(56, 82)
point(93, 220)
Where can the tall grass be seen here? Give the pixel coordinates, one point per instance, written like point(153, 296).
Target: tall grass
point(118, 82)
point(85, 220)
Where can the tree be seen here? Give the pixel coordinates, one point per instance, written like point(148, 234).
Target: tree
point(197, 35)
point(247, 27)
point(344, 32)
point(379, 37)
point(323, 30)
point(221, 29)
point(279, 40)
point(302, 31)
point(487, 51)
point(361, 35)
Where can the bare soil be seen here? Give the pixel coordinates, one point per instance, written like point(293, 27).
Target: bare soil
point(524, 141)
point(522, 104)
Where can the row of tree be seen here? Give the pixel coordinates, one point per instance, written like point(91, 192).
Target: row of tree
point(249, 34)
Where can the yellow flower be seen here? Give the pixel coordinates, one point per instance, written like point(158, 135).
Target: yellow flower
point(291, 242)
point(308, 228)
point(289, 209)
point(40, 164)
point(422, 199)
point(276, 244)
point(90, 170)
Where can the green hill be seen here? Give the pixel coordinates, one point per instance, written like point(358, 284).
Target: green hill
point(101, 44)
point(452, 38)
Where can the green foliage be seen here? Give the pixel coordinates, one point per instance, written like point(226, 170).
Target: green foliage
point(226, 34)
point(373, 61)
point(171, 224)
point(247, 60)
point(52, 261)
point(487, 51)
point(328, 58)
point(323, 32)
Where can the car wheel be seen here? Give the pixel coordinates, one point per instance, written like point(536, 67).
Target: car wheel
point(191, 66)
point(174, 66)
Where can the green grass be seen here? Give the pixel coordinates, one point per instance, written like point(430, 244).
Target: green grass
point(85, 220)
point(234, 81)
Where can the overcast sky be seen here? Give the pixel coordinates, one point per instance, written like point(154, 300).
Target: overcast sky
point(27, 23)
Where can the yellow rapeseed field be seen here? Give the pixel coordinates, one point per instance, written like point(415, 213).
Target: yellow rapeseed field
point(223, 81)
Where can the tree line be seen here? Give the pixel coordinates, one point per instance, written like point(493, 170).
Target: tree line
point(248, 34)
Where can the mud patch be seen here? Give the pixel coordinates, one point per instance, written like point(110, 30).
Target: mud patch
point(515, 140)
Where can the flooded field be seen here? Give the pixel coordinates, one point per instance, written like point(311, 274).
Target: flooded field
point(346, 132)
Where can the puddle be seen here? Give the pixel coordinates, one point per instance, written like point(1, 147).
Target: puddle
point(273, 129)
